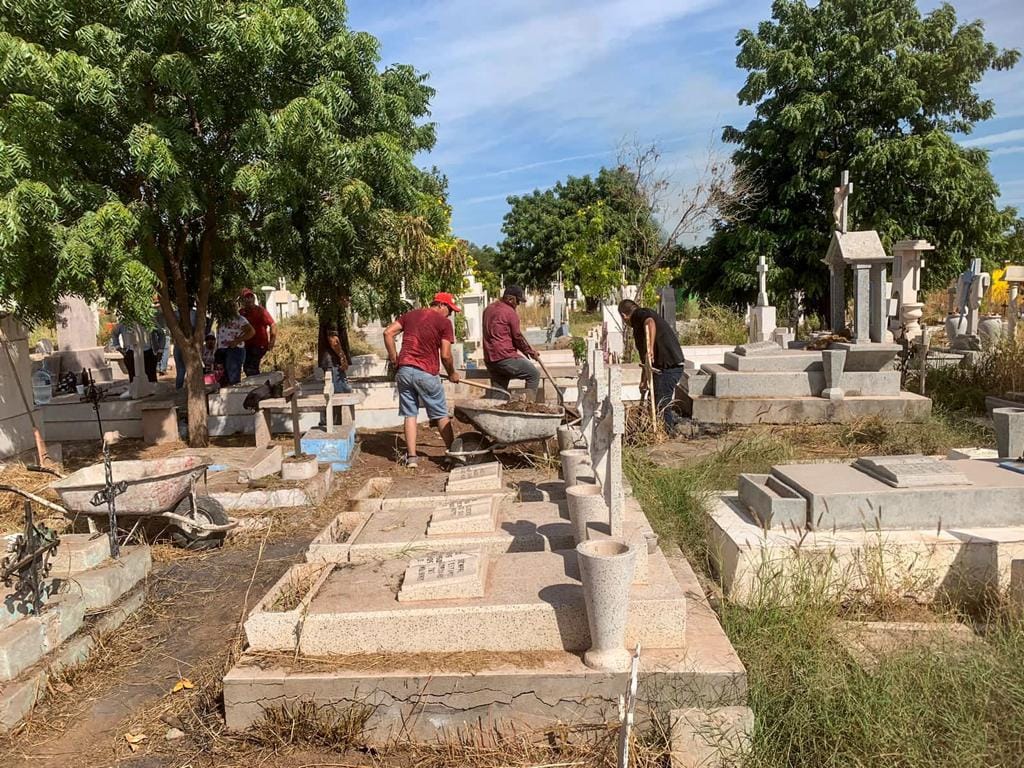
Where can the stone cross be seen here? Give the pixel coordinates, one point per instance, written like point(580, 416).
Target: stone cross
point(762, 282)
point(841, 201)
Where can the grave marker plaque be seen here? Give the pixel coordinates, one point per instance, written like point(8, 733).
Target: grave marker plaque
point(911, 471)
point(444, 576)
point(472, 515)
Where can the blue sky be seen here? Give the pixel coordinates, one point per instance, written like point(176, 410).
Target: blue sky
point(531, 91)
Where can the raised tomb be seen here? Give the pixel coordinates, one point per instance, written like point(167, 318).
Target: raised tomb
point(922, 526)
point(775, 380)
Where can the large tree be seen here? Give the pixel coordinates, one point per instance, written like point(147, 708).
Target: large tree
point(170, 145)
point(874, 87)
point(538, 227)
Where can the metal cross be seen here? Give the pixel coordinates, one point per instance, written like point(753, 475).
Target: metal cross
point(110, 492)
point(28, 563)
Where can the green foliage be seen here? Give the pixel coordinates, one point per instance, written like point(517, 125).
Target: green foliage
point(483, 261)
point(173, 146)
point(538, 227)
point(593, 256)
point(874, 87)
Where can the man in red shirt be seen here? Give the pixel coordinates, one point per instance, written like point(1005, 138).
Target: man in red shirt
point(265, 335)
point(504, 341)
point(426, 336)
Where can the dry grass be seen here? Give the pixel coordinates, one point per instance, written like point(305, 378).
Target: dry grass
point(716, 324)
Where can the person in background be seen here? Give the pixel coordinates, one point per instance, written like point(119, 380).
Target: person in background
point(209, 352)
point(232, 333)
point(125, 338)
point(427, 335)
point(332, 349)
point(658, 342)
point(504, 343)
point(264, 332)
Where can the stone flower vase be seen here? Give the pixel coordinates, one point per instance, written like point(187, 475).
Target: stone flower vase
point(568, 437)
point(606, 570)
point(956, 325)
point(586, 505)
point(990, 329)
point(576, 466)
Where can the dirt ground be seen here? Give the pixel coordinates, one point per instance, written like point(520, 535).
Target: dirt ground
point(189, 630)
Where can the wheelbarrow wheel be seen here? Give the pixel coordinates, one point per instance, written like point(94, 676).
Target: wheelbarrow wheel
point(208, 511)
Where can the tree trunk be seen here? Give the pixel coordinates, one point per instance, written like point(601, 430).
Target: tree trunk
point(198, 413)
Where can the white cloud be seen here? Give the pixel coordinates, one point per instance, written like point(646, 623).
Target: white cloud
point(995, 138)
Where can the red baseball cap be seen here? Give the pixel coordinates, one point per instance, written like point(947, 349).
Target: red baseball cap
point(248, 292)
point(447, 299)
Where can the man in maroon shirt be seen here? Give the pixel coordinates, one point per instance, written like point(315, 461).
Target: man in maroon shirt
point(265, 336)
point(426, 336)
point(504, 341)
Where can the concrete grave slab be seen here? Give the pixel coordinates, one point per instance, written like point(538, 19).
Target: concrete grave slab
point(424, 696)
point(710, 738)
point(538, 593)
point(869, 642)
point(846, 498)
point(957, 564)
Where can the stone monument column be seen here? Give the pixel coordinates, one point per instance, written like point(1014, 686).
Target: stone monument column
point(837, 297)
point(879, 300)
point(861, 303)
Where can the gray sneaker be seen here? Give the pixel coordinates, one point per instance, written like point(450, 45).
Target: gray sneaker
point(411, 461)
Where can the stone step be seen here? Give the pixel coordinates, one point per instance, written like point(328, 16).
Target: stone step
point(800, 383)
point(905, 406)
point(28, 639)
point(784, 360)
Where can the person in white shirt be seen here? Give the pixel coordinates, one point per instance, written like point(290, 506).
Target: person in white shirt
point(232, 333)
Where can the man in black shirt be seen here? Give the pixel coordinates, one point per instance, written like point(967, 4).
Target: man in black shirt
point(332, 351)
point(656, 340)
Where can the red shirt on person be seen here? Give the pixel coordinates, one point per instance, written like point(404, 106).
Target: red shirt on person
point(260, 320)
point(502, 334)
point(423, 330)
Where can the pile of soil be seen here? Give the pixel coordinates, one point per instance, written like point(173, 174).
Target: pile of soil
point(528, 406)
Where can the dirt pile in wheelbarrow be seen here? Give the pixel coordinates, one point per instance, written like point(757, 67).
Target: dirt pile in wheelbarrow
point(527, 406)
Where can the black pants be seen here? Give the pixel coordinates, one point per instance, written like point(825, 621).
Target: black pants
point(253, 356)
point(503, 371)
point(148, 362)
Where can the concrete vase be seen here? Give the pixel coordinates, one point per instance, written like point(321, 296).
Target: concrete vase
point(575, 464)
point(569, 437)
point(956, 325)
point(586, 505)
point(990, 329)
point(606, 570)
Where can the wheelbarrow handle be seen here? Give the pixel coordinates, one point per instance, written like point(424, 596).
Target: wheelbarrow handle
point(488, 387)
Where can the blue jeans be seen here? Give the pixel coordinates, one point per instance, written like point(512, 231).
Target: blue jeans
point(664, 393)
point(419, 389)
point(341, 385)
point(234, 360)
